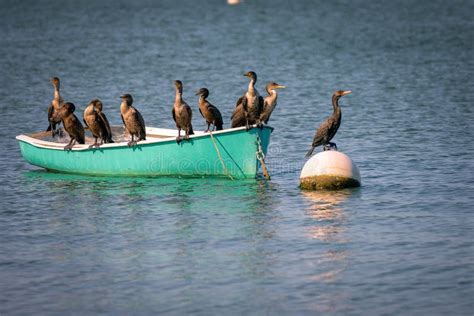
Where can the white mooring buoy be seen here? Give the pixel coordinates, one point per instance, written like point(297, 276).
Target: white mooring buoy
point(330, 170)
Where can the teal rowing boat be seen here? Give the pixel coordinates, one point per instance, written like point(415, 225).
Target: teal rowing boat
point(231, 152)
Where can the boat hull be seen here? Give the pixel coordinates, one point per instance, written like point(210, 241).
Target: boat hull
point(162, 157)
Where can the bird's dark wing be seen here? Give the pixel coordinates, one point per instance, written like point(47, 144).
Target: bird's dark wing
point(324, 131)
point(103, 128)
point(50, 115)
point(265, 109)
point(239, 101)
point(201, 112)
point(187, 113)
point(236, 112)
point(123, 121)
point(238, 117)
point(141, 123)
point(216, 114)
point(245, 104)
point(260, 104)
point(174, 114)
point(50, 112)
point(84, 120)
point(107, 128)
point(77, 132)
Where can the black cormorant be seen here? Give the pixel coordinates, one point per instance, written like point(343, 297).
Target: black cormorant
point(72, 125)
point(328, 128)
point(182, 114)
point(54, 118)
point(132, 119)
point(208, 111)
point(249, 106)
point(270, 101)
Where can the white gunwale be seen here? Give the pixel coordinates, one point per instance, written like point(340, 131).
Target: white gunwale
point(154, 135)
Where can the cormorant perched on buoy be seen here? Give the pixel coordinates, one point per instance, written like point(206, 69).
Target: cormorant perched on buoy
point(270, 101)
point(249, 106)
point(208, 111)
point(107, 137)
point(96, 123)
point(72, 125)
point(328, 128)
point(132, 119)
point(182, 114)
point(54, 117)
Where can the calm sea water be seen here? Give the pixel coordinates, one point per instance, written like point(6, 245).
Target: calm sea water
point(400, 244)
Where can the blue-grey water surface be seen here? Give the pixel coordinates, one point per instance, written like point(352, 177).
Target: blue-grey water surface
point(402, 244)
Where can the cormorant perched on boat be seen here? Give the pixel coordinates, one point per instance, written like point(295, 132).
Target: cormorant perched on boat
point(270, 101)
point(94, 119)
point(107, 137)
point(72, 125)
point(328, 128)
point(132, 119)
point(208, 111)
point(182, 114)
point(53, 110)
point(249, 106)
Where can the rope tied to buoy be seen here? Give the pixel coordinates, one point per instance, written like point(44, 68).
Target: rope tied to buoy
point(226, 171)
point(261, 157)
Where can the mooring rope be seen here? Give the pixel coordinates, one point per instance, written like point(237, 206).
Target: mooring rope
point(226, 171)
point(261, 158)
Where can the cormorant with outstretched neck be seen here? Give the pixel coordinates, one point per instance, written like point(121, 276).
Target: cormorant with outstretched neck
point(72, 125)
point(107, 136)
point(270, 101)
point(208, 111)
point(132, 119)
point(182, 114)
point(96, 123)
point(249, 106)
point(328, 128)
point(54, 118)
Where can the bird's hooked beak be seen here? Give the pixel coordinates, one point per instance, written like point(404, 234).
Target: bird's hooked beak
point(280, 87)
point(346, 93)
point(198, 92)
point(122, 97)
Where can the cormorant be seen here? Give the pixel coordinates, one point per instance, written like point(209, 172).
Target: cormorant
point(106, 137)
point(96, 123)
point(182, 114)
point(53, 110)
point(249, 106)
point(72, 125)
point(132, 120)
point(208, 111)
point(270, 101)
point(328, 128)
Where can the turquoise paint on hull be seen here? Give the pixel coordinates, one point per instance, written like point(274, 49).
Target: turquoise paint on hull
point(197, 157)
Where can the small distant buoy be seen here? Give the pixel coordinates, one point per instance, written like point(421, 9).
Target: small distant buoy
point(233, 2)
point(330, 170)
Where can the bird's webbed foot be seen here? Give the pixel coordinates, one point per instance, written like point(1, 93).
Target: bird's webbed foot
point(330, 146)
point(186, 137)
point(247, 125)
point(132, 143)
point(178, 139)
point(95, 144)
point(260, 124)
